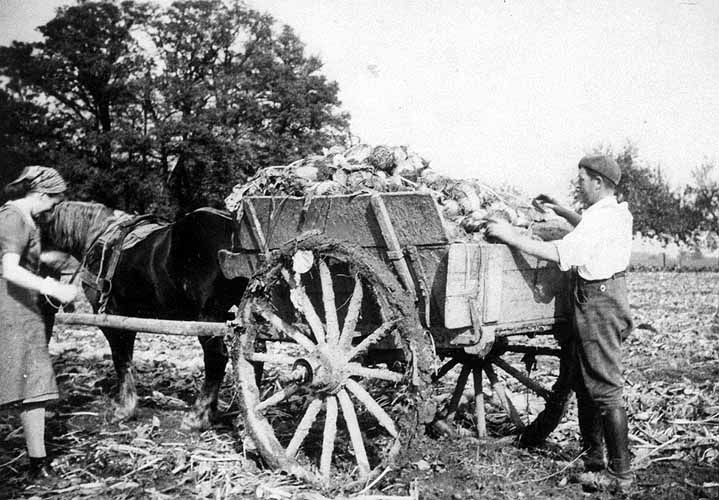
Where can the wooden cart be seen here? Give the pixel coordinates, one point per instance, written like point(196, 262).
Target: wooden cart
point(356, 304)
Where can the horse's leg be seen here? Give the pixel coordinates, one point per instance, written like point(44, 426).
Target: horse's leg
point(215, 356)
point(122, 344)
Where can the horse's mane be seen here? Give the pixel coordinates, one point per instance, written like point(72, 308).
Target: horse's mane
point(76, 224)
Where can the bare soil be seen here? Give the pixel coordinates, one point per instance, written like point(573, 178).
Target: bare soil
point(672, 373)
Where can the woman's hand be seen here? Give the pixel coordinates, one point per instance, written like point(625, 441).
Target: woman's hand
point(14, 273)
point(63, 292)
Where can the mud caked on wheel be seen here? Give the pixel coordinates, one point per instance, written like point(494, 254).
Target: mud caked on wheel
point(344, 359)
point(529, 363)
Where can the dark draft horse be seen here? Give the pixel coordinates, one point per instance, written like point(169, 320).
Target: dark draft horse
point(173, 273)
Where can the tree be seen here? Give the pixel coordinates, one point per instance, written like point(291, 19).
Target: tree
point(232, 96)
point(22, 128)
point(29, 136)
point(80, 74)
point(167, 109)
point(704, 196)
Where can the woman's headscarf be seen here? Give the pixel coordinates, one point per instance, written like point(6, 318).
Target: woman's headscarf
point(42, 180)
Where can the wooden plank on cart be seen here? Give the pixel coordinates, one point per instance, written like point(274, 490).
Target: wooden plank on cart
point(394, 250)
point(414, 216)
point(492, 275)
point(510, 287)
point(462, 287)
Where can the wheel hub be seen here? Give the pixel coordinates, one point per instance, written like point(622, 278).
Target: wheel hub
point(325, 372)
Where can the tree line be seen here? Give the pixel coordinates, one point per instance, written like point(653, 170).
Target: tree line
point(659, 209)
point(163, 109)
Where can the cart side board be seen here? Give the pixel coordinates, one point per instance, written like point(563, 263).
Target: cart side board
point(415, 217)
point(505, 285)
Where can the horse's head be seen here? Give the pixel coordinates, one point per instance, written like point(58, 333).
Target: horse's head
point(72, 226)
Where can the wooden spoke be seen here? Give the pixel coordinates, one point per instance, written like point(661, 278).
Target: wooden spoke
point(458, 390)
point(479, 401)
point(371, 339)
point(328, 299)
point(446, 368)
point(525, 380)
point(353, 311)
point(277, 397)
point(284, 327)
point(374, 408)
point(501, 392)
point(328, 439)
point(288, 278)
point(539, 351)
point(355, 434)
point(376, 373)
point(299, 298)
point(303, 428)
point(270, 358)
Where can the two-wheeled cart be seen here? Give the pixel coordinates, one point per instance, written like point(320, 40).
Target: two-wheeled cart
point(355, 304)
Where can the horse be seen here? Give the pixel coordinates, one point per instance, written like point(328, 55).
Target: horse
point(171, 273)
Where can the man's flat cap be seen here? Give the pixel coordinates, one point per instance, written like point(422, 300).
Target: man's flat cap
point(603, 165)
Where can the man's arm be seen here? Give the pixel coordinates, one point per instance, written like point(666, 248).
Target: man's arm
point(508, 234)
point(546, 201)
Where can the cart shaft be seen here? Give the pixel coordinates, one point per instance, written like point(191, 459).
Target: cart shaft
point(146, 325)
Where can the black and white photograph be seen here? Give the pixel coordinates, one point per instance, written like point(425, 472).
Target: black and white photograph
point(359, 249)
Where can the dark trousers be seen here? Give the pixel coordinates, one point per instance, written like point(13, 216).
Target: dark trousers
point(602, 320)
point(591, 366)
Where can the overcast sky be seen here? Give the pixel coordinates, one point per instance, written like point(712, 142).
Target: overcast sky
point(508, 91)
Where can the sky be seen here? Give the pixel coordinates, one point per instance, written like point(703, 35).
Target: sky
point(508, 91)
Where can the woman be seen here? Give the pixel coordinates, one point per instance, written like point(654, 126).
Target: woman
point(26, 375)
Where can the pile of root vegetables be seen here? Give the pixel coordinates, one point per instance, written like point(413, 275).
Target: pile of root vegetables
point(467, 205)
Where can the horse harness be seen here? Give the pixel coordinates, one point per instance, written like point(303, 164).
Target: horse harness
point(101, 258)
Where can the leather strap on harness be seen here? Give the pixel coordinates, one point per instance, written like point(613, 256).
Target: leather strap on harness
point(112, 241)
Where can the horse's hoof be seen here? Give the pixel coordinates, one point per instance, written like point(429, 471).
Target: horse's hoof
point(122, 417)
point(122, 414)
point(195, 423)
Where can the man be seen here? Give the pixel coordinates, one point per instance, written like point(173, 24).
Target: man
point(598, 252)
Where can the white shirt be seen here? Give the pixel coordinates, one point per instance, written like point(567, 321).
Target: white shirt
point(601, 244)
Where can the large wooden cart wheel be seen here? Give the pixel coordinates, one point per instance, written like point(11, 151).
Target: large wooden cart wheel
point(344, 387)
point(526, 363)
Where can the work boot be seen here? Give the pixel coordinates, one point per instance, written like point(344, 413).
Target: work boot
point(616, 436)
point(590, 428)
point(40, 473)
point(617, 477)
point(536, 432)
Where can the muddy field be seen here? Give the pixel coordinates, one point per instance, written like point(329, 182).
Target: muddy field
point(672, 372)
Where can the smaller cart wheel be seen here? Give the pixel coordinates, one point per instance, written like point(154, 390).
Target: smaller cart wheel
point(334, 410)
point(515, 363)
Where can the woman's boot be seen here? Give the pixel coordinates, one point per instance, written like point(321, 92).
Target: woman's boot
point(40, 473)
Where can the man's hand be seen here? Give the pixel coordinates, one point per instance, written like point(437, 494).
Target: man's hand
point(507, 233)
point(544, 202)
point(501, 230)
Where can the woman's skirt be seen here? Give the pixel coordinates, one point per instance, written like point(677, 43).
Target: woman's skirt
point(26, 373)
